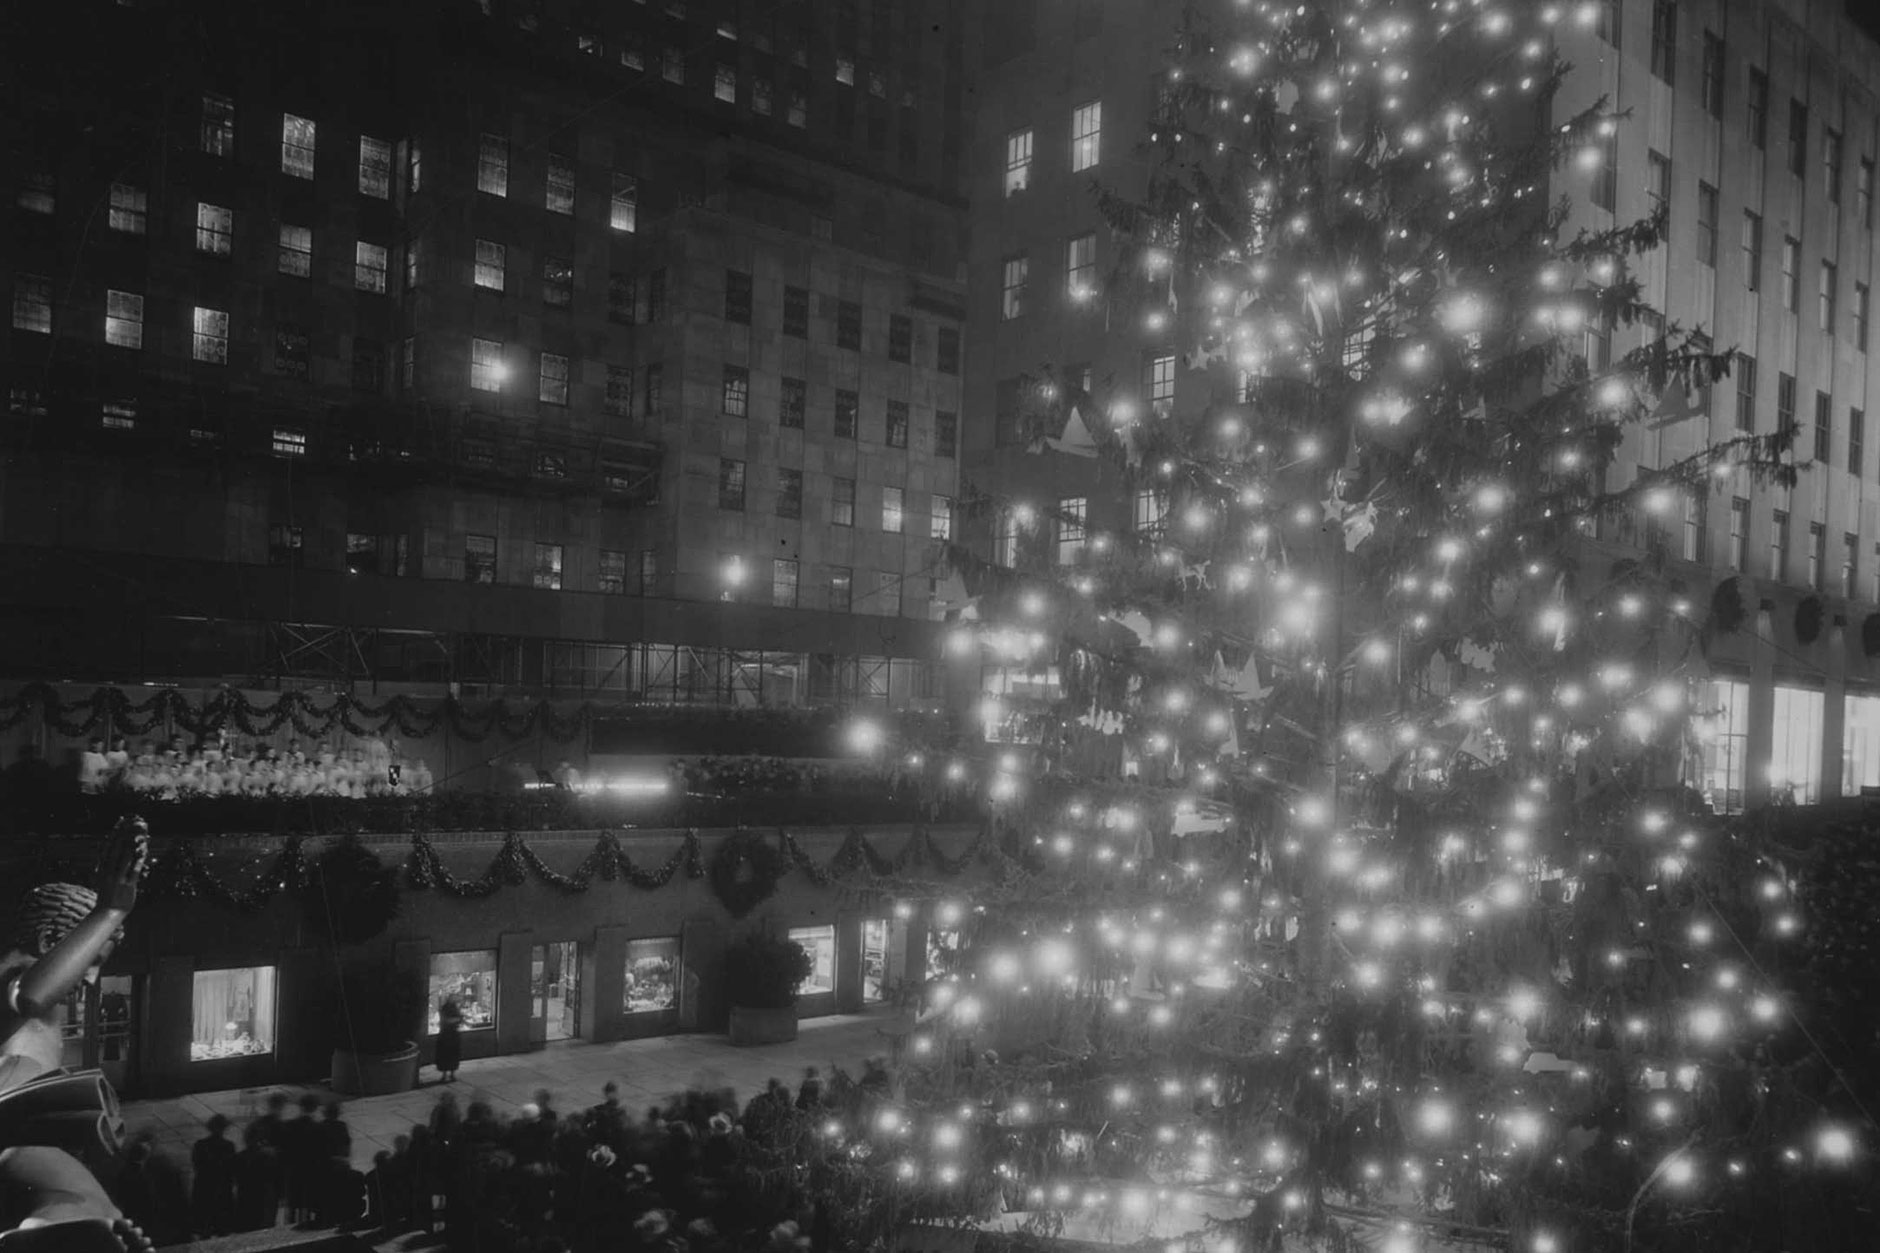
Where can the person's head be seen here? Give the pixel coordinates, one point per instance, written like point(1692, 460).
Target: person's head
point(97, 745)
point(402, 1144)
point(309, 1103)
point(49, 913)
point(542, 1097)
point(217, 1125)
point(332, 1111)
point(809, 1072)
point(277, 1103)
point(611, 1091)
point(382, 1158)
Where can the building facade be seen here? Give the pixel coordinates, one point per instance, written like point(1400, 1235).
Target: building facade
point(505, 346)
point(1754, 124)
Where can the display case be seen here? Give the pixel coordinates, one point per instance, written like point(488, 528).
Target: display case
point(651, 983)
point(820, 944)
point(232, 1013)
point(471, 979)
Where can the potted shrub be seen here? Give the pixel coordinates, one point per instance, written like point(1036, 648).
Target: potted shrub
point(375, 1051)
point(762, 974)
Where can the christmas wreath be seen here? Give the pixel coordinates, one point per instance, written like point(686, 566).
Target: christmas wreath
point(351, 895)
point(745, 870)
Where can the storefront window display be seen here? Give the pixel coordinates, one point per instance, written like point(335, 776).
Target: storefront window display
point(874, 958)
point(232, 1013)
point(652, 978)
point(471, 979)
point(820, 944)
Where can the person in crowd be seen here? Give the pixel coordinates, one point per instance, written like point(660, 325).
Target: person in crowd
point(92, 768)
point(257, 1180)
point(212, 1180)
point(810, 1094)
point(301, 1159)
point(449, 1040)
point(340, 1200)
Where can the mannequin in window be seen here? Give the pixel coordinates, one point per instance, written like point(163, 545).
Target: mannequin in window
point(50, 1117)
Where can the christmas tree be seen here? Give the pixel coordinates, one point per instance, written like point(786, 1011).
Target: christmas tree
point(1354, 897)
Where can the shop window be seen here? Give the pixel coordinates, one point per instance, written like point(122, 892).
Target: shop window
point(874, 959)
point(820, 944)
point(232, 1012)
point(652, 975)
point(470, 978)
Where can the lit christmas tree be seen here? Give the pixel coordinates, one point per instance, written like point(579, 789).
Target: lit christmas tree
point(1356, 897)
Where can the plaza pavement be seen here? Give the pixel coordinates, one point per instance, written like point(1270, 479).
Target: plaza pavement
point(648, 1071)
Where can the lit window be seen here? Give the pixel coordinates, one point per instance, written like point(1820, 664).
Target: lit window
point(1086, 135)
point(672, 65)
point(794, 405)
point(130, 209)
point(493, 165)
point(789, 493)
point(874, 959)
point(1017, 161)
point(469, 979)
point(1017, 271)
point(289, 442)
point(486, 365)
point(633, 54)
point(297, 142)
point(760, 97)
point(414, 168)
point(820, 944)
point(1796, 765)
point(1151, 511)
point(847, 410)
point(1080, 266)
point(1071, 514)
point(783, 582)
point(736, 394)
point(490, 265)
point(942, 517)
point(731, 484)
point(218, 126)
point(32, 305)
point(370, 265)
point(375, 168)
point(546, 572)
point(845, 71)
point(559, 196)
point(123, 319)
point(651, 983)
point(893, 510)
point(895, 431)
point(1723, 732)
point(118, 415)
point(1860, 744)
point(552, 384)
point(1006, 539)
point(613, 571)
point(296, 257)
point(210, 340)
point(232, 1012)
point(479, 558)
point(841, 588)
point(725, 84)
point(215, 229)
point(624, 214)
point(1158, 380)
point(842, 502)
point(588, 45)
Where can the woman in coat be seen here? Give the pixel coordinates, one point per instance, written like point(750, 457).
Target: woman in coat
point(449, 1039)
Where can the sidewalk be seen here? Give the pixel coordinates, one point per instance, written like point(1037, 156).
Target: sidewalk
point(648, 1071)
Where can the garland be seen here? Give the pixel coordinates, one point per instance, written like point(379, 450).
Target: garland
point(745, 872)
point(178, 872)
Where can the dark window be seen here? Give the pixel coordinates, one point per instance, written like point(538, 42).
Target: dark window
point(1713, 75)
point(1665, 41)
point(842, 502)
point(848, 324)
point(1610, 24)
point(1798, 138)
point(1745, 392)
point(1606, 177)
point(789, 493)
point(284, 547)
point(847, 407)
point(1756, 108)
point(368, 365)
point(656, 296)
point(796, 312)
point(621, 298)
point(655, 390)
point(946, 434)
point(1785, 402)
point(1831, 164)
point(619, 401)
point(730, 484)
point(947, 356)
point(479, 558)
point(1707, 224)
point(795, 404)
point(558, 282)
point(900, 338)
point(291, 355)
point(613, 571)
point(738, 297)
point(1856, 441)
point(1824, 424)
point(841, 584)
point(897, 424)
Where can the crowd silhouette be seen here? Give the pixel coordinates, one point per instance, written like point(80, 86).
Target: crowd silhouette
point(696, 1175)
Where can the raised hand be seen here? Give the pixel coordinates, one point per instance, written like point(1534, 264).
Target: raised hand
point(121, 869)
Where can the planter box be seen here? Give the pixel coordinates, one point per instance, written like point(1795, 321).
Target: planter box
point(762, 1026)
point(375, 1074)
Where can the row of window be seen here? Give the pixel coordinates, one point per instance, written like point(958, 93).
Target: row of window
point(1821, 445)
point(1086, 142)
point(1798, 734)
point(733, 476)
